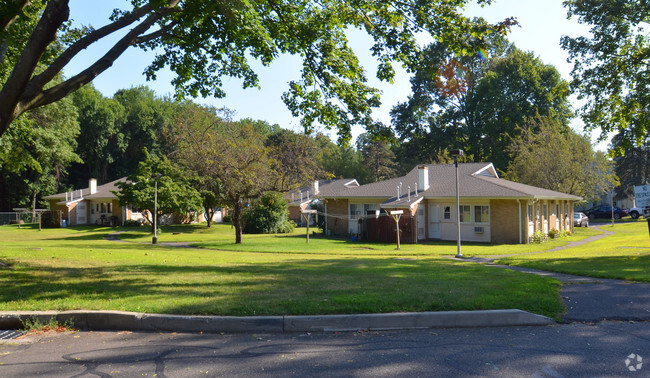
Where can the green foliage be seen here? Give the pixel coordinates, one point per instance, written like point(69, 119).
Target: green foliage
point(51, 219)
point(131, 223)
point(294, 158)
point(35, 325)
point(268, 215)
point(377, 155)
point(580, 171)
point(554, 233)
point(175, 194)
point(632, 164)
point(539, 237)
point(476, 104)
point(611, 67)
point(203, 42)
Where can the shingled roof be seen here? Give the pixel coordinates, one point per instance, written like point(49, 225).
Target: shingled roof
point(104, 191)
point(477, 180)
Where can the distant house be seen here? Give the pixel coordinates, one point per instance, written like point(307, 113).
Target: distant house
point(94, 205)
point(299, 199)
point(98, 205)
point(491, 209)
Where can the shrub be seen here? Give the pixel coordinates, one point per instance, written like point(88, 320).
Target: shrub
point(227, 219)
point(554, 233)
point(132, 223)
point(51, 219)
point(268, 215)
point(539, 236)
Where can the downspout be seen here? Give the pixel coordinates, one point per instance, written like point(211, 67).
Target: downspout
point(520, 230)
point(326, 219)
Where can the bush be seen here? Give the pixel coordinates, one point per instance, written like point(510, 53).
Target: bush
point(51, 219)
point(539, 236)
point(132, 223)
point(554, 233)
point(269, 215)
point(227, 219)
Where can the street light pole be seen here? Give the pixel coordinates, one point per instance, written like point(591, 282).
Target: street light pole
point(456, 154)
point(154, 240)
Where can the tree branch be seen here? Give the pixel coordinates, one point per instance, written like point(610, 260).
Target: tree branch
point(8, 20)
point(38, 98)
point(39, 81)
point(55, 14)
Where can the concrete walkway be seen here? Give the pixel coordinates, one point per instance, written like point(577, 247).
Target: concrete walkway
point(588, 299)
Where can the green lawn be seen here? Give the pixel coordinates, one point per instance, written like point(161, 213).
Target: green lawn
point(75, 268)
point(624, 255)
point(221, 237)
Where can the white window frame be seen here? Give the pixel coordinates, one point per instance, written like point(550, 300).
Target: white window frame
point(488, 214)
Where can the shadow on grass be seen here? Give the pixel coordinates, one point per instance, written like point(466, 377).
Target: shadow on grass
point(298, 287)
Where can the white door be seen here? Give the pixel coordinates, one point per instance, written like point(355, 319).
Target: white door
point(81, 213)
point(434, 221)
point(421, 223)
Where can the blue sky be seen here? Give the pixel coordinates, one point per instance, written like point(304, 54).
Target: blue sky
point(542, 23)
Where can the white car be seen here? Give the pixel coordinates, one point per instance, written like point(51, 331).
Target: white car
point(636, 212)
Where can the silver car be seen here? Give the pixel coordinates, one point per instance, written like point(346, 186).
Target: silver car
point(580, 220)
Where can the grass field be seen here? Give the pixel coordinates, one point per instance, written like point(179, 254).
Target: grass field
point(623, 255)
point(75, 268)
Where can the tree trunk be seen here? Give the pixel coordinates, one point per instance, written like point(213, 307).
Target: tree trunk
point(209, 213)
point(237, 221)
point(34, 205)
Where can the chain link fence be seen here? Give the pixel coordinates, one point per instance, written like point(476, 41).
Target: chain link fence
point(14, 217)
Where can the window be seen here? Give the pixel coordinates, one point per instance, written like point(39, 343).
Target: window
point(369, 207)
point(465, 213)
point(482, 214)
point(98, 208)
point(355, 210)
point(103, 207)
point(109, 207)
point(447, 212)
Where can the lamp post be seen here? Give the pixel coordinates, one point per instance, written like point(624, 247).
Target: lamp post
point(456, 154)
point(155, 177)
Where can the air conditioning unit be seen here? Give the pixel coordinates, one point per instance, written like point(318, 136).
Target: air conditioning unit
point(478, 230)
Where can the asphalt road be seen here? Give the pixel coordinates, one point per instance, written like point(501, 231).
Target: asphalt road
point(573, 350)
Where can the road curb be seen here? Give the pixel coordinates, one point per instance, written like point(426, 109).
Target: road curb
point(132, 321)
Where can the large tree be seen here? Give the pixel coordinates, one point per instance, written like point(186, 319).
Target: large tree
point(378, 157)
point(35, 154)
point(632, 165)
point(174, 190)
point(612, 67)
point(232, 155)
point(557, 158)
point(477, 103)
point(204, 41)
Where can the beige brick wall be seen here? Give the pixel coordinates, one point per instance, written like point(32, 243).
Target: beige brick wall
point(337, 221)
point(504, 221)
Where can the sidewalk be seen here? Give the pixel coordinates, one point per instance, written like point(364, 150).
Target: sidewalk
point(588, 299)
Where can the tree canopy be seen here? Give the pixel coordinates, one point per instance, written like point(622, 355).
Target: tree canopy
point(612, 67)
point(557, 158)
point(478, 103)
point(204, 41)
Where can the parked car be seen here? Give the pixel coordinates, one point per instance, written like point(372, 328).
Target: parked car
point(636, 212)
point(580, 220)
point(605, 211)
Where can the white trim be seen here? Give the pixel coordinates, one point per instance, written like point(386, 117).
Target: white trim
point(487, 171)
